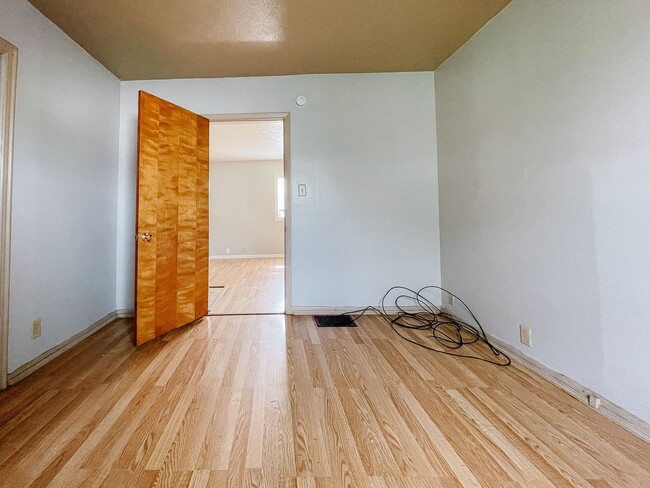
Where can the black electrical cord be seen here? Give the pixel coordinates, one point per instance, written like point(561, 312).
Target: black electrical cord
point(448, 331)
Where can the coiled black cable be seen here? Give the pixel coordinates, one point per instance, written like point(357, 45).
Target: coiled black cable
point(415, 311)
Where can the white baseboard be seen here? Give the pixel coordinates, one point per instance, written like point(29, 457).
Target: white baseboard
point(619, 415)
point(125, 313)
point(337, 310)
point(246, 256)
point(44, 358)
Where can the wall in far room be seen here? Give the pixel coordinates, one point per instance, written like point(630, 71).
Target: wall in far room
point(242, 208)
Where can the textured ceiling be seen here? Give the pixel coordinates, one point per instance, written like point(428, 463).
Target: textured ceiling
point(156, 39)
point(259, 140)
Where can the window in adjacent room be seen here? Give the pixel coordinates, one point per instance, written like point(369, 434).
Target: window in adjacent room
point(279, 197)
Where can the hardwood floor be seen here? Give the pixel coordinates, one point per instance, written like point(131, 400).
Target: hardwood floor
point(251, 285)
point(274, 401)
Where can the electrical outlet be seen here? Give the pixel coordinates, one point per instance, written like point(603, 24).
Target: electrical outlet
point(450, 300)
point(302, 190)
point(243, 250)
point(227, 250)
point(36, 328)
point(526, 335)
point(594, 401)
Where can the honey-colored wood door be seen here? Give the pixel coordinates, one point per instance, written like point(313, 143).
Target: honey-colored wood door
point(172, 218)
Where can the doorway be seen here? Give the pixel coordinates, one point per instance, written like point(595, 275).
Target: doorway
point(173, 206)
point(248, 214)
point(8, 64)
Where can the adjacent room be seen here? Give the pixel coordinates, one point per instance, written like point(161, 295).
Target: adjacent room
point(324, 244)
point(247, 213)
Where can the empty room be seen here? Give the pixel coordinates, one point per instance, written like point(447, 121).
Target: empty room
point(325, 244)
point(247, 214)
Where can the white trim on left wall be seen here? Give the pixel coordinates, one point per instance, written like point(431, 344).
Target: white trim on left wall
point(44, 358)
point(8, 65)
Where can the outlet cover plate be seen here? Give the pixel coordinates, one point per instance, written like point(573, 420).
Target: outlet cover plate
point(525, 335)
point(36, 328)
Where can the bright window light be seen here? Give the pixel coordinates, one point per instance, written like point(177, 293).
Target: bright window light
point(279, 197)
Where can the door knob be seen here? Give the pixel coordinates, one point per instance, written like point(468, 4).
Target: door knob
point(145, 236)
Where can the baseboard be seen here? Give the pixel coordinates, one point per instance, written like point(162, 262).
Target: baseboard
point(125, 313)
point(246, 256)
point(337, 310)
point(619, 415)
point(44, 358)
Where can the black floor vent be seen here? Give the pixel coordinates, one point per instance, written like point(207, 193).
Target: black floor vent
point(334, 321)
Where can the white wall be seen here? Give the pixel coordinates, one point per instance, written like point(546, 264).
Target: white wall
point(364, 144)
point(64, 187)
point(544, 165)
point(242, 208)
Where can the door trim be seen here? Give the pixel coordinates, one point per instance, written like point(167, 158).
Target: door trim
point(8, 65)
point(285, 117)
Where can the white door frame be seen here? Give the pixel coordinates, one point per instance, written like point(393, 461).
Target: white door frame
point(285, 118)
point(8, 71)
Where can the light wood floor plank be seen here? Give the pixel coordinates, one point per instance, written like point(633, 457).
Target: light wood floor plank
point(273, 401)
point(250, 286)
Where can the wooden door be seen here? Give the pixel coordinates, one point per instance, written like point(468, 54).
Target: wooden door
point(172, 218)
